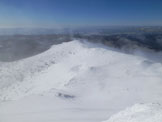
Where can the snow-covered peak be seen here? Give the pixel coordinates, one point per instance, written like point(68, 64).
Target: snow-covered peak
point(80, 68)
point(94, 79)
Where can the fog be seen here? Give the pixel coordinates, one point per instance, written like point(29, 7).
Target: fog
point(16, 47)
point(16, 44)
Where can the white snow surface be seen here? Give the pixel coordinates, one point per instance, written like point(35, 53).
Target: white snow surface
point(139, 113)
point(76, 81)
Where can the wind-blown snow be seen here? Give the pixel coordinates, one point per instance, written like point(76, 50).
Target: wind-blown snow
point(94, 80)
point(139, 113)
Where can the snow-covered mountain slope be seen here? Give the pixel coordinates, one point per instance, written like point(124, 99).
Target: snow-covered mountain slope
point(91, 78)
point(139, 113)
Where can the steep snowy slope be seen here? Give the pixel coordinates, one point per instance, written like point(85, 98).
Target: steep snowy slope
point(84, 82)
point(139, 113)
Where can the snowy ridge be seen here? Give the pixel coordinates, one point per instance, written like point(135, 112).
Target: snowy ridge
point(13, 75)
point(139, 113)
point(98, 80)
point(74, 66)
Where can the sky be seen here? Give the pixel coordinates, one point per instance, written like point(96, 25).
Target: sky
point(61, 13)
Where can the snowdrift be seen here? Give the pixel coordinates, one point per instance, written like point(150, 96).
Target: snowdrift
point(139, 113)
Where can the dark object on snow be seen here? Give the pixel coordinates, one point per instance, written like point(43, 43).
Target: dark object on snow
point(62, 95)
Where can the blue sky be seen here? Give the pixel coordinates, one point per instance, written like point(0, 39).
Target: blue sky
point(59, 13)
